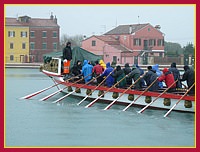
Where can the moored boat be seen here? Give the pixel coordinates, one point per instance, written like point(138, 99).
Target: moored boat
point(179, 101)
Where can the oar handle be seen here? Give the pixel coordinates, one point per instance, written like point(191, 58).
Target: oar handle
point(142, 110)
point(96, 87)
point(60, 99)
point(90, 104)
point(123, 93)
point(179, 100)
point(140, 95)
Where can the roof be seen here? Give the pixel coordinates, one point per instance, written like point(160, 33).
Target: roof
point(121, 48)
point(108, 39)
point(32, 22)
point(125, 29)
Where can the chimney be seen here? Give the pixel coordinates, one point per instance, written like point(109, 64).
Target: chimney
point(55, 19)
point(130, 29)
point(51, 17)
point(158, 27)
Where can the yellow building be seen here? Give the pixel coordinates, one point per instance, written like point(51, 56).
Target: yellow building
point(28, 39)
point(16, 44)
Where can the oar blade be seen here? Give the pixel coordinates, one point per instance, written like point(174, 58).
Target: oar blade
point(82, 100)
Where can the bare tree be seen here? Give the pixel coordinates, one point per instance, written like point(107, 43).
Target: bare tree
point(75, 40)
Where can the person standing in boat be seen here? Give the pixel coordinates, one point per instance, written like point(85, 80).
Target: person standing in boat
point(110, 79)
point(168, 78)
point(87, 71)
point(135, 75)
point(189, 77)
point(176, 74)
point(98, 70)
point(67, 57)
point(118, 75)
point(127, 70)
point(150, 77)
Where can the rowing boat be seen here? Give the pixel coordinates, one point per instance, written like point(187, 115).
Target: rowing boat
point(158, 100)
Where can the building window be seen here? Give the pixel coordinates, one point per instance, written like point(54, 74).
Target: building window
point(93, 43)
point(152, 42)
point(54, 34)
point(11, 57)
point(160, 42)
point(11, 33)
point(11, 45)
point(32, 45)
point(44, 46)
point(32, 34)
point(137, 42)
point(149, 29)
point(55, 46)
point(23, 45)
point(44, 34)
point(23, 34)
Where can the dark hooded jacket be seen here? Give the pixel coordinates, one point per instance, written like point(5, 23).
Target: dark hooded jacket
point(67, 52)
point(189, 77)
point(176, 74)
point(127, 70)
point(110, 79)
point(118, 75)
point(141, 73)
point(135, 75)
point(149, 77)
point(76, 69)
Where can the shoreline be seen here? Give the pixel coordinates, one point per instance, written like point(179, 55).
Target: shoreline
point(37, 66)
point(23, 65)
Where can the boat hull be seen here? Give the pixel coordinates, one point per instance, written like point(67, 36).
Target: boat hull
point(165, 101)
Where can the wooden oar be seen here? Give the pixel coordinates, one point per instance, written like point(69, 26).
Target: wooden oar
point(47, 97)
point(96, 87)
point(140, 94)
point(91, 103)
point(142, 110)
point(178, 101)
point(60, 99)
point(108, 107)
point(40, 91)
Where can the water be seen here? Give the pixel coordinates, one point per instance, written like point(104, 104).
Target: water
point(32, 123)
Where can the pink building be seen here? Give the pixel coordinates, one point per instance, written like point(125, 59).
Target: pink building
point(133, 44)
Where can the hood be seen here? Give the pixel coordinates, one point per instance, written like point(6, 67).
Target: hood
point(134, 67)
point(155, 67)
point(108, 65)
point(186, 67)
point(101, 62)
point(165, 70)
point(137, 66)
point(127, 65)
point(118, 68)
point(85, 62)
point(173, 65)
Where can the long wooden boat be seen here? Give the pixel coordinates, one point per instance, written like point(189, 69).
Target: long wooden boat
point(166, 100)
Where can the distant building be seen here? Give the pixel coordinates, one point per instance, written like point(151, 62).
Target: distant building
point(128, 44)
point(27, 39)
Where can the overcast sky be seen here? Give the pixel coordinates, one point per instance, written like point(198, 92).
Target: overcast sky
point(177, 21)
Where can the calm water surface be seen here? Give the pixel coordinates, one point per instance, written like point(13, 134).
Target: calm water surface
point(35, 123)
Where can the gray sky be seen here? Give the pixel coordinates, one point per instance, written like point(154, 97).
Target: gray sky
point(177, 21)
